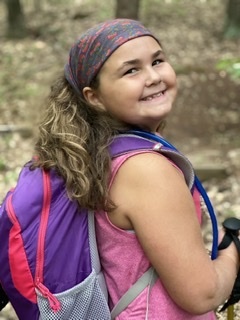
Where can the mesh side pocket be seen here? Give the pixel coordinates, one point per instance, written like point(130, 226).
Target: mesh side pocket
point(84, 301)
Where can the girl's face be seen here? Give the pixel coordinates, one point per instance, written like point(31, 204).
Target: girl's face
point(136, 84)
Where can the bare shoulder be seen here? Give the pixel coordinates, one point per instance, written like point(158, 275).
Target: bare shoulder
point(148, 169)
point(144, 180)
point(149, 165)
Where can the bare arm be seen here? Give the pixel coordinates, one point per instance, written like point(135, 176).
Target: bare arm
point(153, 199)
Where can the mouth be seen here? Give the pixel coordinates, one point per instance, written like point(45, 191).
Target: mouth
point(154, 96)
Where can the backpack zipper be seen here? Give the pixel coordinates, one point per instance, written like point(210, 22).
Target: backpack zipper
point(53, 301)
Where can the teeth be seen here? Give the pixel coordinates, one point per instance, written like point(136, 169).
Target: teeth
point(153, 96)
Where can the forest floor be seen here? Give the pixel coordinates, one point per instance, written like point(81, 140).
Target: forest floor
point(206, 118)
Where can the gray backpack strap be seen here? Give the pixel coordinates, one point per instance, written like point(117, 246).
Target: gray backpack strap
point(147, 279)
point(95, 259)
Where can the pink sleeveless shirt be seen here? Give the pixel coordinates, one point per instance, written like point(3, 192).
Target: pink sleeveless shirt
point(123, 262)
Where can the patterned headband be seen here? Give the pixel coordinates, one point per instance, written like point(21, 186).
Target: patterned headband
point(95, 46)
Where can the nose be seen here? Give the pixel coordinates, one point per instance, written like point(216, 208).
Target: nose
point(152, 76)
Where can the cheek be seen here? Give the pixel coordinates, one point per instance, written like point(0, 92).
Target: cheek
point(170, 75)
point(105, 92)
point(173, 77)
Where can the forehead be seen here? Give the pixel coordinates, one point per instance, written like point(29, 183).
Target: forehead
point(137, 48)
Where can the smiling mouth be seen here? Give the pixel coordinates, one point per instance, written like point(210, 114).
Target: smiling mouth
point(154, 96)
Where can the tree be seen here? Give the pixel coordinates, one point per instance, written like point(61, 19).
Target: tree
point(128, 9)
point(232, 25)
point(16, 27)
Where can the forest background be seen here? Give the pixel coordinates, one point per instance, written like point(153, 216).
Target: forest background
point(200, 42)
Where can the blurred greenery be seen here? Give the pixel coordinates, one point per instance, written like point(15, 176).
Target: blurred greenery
point(231, 66)
point(2, 165)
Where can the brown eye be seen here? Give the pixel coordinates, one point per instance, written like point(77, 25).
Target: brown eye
point(132, 70)
point(157, 61)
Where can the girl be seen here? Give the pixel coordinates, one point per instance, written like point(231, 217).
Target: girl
point(118, 79)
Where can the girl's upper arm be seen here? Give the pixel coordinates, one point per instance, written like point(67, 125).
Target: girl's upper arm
point(152, 198)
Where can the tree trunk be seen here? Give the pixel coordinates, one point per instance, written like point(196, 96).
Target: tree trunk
point(15, 18)
point(232, 26)
point(128, 9)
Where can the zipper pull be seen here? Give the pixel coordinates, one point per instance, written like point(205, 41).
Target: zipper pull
point(55, 305)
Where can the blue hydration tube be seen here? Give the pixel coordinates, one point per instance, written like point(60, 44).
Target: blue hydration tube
point(197, 184)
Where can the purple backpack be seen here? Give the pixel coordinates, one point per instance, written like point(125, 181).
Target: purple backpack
point(49, 262)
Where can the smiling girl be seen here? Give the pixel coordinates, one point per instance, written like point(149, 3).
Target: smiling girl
point(119, 69)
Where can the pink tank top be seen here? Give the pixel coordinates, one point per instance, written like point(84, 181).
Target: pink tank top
point(123, 262)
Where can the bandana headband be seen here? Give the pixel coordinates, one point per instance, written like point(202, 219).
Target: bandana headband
point(95, 46)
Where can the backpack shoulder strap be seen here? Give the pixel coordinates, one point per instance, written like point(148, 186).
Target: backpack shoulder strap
point(95, 259)
point(147, 279)
point(125, 143)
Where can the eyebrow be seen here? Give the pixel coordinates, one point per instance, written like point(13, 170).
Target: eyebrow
point(136, 61)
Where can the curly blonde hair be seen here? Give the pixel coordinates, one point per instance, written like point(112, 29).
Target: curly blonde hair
point(73, 139)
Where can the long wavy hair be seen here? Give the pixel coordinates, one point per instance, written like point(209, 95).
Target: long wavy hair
point(73, 139)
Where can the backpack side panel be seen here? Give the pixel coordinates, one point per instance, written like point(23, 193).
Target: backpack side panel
point(15, 275)
point(18, 262)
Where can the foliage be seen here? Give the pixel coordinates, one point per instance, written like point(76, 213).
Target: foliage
point(232, 32)
point(231, 66)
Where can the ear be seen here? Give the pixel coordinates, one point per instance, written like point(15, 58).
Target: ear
point(91, 96)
